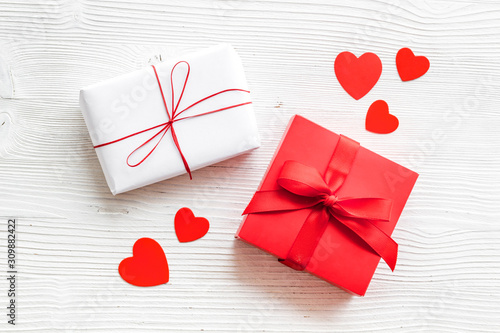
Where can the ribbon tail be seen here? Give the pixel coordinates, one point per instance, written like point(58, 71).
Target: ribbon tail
point(278, 200)
point(176, 142)
point(381, 243)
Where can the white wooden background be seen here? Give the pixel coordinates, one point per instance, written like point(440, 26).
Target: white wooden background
point(72, 233)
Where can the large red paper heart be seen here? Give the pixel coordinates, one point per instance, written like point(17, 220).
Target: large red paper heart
point(188, 227)
point(379, 120)
point(411, 67)
point(357, 75)
point(147, 267)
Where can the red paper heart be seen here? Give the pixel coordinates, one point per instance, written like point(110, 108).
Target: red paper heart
point(357, 75)
point(411, 67)
point(379, 120)
point(189, 228)
point(147, 267)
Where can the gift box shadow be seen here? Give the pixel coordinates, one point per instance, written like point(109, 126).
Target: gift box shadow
point(261, 271)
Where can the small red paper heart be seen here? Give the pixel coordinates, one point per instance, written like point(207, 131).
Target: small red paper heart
point(147, 267)
point(357, 75)
point(379, 120)
point(411, 67)
point(189, 228)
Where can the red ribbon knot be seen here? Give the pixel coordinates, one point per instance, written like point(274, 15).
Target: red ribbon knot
point(304, 187)
point(173, 116)
point(330, 200)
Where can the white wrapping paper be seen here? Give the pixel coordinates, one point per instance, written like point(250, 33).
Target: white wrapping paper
point(131, 103)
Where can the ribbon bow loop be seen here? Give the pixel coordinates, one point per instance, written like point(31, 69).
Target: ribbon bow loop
point(302, 180)
point(184, 76)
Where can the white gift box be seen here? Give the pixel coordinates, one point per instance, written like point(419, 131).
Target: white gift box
point(129, 124)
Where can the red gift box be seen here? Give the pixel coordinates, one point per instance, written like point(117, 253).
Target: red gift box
point(328, 206)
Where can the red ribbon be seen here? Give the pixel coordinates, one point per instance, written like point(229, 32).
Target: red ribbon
point(172, 118)
point(304, 187)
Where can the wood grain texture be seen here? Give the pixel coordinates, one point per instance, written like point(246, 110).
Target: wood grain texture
point(72, 233)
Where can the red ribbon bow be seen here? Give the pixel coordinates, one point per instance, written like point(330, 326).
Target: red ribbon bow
point(172, 118)
point(304, 187)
